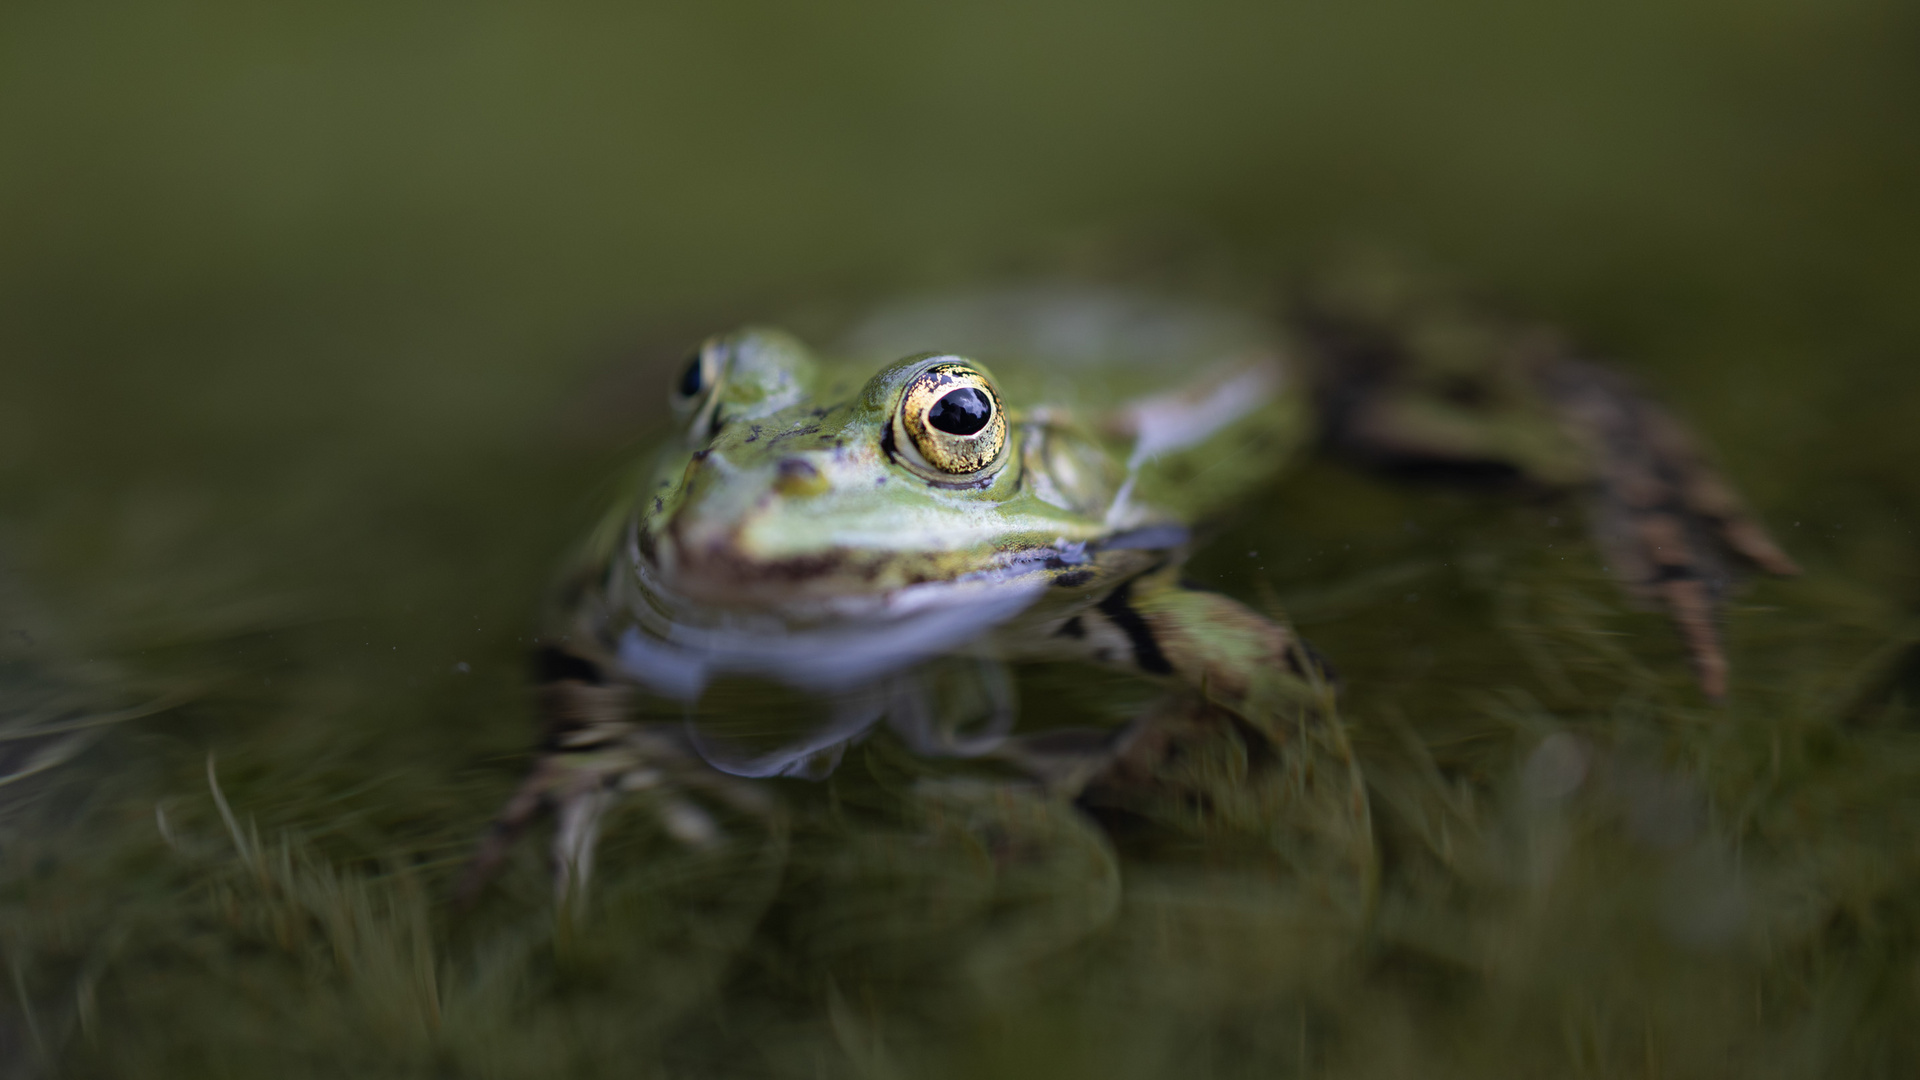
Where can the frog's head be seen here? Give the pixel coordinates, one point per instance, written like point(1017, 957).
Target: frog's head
point(796, 484)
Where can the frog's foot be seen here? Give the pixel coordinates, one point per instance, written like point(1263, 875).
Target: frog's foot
point(587, 775)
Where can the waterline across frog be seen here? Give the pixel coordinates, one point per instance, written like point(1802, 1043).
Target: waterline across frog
point(1013, 476)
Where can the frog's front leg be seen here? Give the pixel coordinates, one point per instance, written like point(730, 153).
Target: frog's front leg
point(1250, 741)
point(593, 754)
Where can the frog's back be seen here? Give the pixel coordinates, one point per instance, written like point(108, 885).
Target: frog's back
point(1198, 404)
point(1087, 346)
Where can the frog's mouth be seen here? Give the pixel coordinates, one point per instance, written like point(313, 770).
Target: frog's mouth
point(679, 641)
point(682, 638)
point(678, 659)
point(764, 555)
point(720, 571)
point(861, 651)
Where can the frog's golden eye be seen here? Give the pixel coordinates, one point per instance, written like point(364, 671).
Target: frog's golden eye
point(954, 419)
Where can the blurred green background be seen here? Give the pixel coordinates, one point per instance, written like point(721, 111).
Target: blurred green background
point(395, 237)
point(321, 327)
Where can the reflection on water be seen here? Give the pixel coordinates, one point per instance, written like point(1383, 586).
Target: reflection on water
point(952, 707)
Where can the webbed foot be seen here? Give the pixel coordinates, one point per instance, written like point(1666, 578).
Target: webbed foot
point(583, 778)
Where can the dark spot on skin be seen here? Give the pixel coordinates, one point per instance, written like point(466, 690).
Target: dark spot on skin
point(1073, 579)
point(879, 481)
point(796, 469)
point(701, 455)
point(794, 433)
point(754, 434)
point(1072, 628)
point(658, 504)
point(1146, 651)
point(551, 664)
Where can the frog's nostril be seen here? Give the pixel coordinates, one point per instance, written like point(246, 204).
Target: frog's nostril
point(797, 476)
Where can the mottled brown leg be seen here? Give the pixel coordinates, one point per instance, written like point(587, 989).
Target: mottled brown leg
point(1410, 377)
point(580, 717)
point(1663, 516)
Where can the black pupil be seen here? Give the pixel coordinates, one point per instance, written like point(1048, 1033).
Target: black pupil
point(690, 378)
point(961, 412)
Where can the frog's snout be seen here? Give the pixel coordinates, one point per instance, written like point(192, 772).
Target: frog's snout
point(735, 536)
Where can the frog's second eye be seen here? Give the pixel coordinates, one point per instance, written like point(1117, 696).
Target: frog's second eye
point(694, 393)
point(954, 419)
point(698, 374)
point(692, 379)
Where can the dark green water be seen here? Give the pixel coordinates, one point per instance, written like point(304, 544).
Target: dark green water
point(321, 330)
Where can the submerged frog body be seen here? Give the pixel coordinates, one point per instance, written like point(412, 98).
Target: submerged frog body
point(1013, 476)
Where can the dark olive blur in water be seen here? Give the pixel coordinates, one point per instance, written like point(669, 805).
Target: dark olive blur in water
point(322, 329)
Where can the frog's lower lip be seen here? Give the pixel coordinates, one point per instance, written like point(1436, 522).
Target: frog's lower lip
point(718, 571)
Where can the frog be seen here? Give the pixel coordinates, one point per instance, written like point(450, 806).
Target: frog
point(1014, 475)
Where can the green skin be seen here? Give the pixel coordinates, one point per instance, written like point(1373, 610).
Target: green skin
point(792, 529)
point(798, 498)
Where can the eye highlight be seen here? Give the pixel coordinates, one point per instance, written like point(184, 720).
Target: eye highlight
point(953, 418)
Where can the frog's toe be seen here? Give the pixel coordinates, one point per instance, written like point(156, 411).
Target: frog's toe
point(581, 815)
point(581, 785)
point(575, 838)
point(1672, 529)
